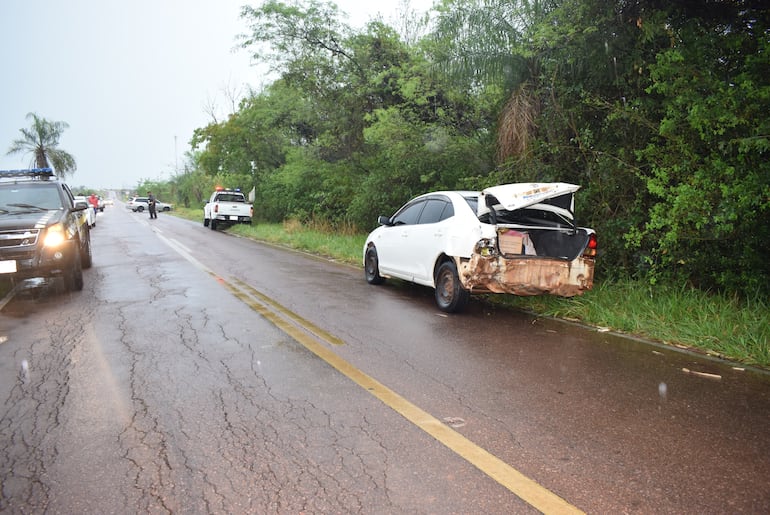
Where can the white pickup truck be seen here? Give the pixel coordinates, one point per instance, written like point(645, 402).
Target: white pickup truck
point(225, 208)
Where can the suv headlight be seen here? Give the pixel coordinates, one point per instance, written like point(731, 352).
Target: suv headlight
point(54, 236)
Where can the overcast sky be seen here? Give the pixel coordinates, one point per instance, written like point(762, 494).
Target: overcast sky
point(132, 79)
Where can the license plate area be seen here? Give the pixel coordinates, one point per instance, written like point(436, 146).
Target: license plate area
point(8, 266)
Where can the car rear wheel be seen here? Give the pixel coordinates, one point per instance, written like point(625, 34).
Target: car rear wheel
point(140, 209)
point(213, 224)
point(372, 267)
point(451, 297)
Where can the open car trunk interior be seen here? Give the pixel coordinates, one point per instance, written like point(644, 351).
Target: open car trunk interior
point(565, 244)
point(545, 228)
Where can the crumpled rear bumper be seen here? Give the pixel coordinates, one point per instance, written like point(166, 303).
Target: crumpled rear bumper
point(532, 275)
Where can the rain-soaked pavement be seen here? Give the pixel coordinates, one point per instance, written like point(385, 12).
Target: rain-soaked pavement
point(202, 373)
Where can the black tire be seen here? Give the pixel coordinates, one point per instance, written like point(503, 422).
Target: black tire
point(451, 297)
point(372, 267)
point(73, 278)
point(213, 224)
point(205, 222)
point(140, 209)
point(86, 254)
point(166, 208)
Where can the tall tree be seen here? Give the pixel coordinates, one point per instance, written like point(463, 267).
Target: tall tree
point(707, 170)
point(491, 43)
point(42, 141)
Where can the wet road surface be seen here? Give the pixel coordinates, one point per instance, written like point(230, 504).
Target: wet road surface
point(166, 386)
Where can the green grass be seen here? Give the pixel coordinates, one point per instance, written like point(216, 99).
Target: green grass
point(347, 248)
point(738, 330)
point(734, 329)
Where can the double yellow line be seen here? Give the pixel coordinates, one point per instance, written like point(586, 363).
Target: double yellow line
point(311, 337)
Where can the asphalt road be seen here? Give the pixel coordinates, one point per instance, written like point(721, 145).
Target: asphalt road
point(198, 372)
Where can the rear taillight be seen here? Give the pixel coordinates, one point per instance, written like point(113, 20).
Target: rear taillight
point(592, 246)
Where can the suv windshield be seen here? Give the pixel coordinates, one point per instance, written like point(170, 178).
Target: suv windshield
point(23, 197)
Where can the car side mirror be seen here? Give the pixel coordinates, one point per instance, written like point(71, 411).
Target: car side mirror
point(384, 220)
point(80, 205)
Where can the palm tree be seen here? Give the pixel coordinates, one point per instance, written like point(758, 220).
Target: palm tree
point(491, 42)
point(41, 140)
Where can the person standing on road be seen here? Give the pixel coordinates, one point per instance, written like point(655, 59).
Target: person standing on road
point(93, 200)
point(151, 205)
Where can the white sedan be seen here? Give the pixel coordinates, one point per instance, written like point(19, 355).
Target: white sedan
point(89, 213)
point(513, 238)
point(140, 204)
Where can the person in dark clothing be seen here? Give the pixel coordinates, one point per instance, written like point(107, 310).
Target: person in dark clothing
point(151, 205)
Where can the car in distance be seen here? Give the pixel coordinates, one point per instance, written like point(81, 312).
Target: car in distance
point(514, 238)
point(139, 204)
point(43, 232)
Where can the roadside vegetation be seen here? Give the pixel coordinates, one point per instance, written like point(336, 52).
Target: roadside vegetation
point(719, 325)
point(658, 110)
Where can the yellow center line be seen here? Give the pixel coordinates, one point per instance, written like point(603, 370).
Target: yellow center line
point(520, 485)
point(306, 324)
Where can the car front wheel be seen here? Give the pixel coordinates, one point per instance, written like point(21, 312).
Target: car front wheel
point(451, 297)
point(86, 253)
point(73, 278)
point(372, 267)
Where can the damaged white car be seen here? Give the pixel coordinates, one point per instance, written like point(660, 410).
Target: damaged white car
point(514, 238)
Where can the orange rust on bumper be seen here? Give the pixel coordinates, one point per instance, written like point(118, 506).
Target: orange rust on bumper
point(527, 276)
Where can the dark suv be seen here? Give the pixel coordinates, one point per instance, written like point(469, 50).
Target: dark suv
point(43, 233)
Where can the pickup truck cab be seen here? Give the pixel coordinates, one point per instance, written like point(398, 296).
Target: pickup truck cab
point(225, 208)
point(43, 230)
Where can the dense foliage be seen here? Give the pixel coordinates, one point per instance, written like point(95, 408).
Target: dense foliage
point(658, 109)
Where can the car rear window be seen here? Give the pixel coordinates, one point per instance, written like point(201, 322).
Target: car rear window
point(531, 217)
point(473, 202)
point(230, 198)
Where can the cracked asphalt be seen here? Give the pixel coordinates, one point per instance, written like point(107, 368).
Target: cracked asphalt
point(158, 390)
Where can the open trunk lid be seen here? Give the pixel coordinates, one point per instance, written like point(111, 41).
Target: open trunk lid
point(553, 196)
